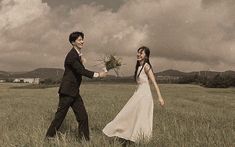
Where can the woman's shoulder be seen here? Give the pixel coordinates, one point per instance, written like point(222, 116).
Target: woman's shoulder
point(147, 66)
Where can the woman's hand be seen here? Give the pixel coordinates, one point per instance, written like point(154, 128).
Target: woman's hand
point(161, 101)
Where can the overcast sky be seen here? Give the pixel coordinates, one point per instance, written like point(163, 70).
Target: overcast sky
point(186, 35)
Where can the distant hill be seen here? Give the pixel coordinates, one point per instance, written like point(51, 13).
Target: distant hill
point(208, 74)
point(171, 72)
point(3, 73)
point(42, 73)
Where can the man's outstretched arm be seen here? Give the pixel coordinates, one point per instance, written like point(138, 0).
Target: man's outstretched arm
point(90, 74)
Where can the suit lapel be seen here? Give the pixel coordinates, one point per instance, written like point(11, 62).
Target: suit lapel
point(77, 55)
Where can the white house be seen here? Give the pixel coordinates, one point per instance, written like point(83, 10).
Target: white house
point(27, 80)
point(2, 81)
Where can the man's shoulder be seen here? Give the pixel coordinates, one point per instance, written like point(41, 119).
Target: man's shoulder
point(71, 53)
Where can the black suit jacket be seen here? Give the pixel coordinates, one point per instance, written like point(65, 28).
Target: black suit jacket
point(72, 78)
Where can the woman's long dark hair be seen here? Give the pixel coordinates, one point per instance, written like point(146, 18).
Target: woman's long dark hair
point(146, 60)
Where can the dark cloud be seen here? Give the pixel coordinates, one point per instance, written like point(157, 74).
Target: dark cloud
point(72, 4)
point(207, 3)
point(212, 3)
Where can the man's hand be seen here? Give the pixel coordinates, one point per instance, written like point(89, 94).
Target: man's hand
point(103, 74)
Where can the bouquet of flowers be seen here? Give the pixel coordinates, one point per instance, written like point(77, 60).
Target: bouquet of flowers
point(112, 62)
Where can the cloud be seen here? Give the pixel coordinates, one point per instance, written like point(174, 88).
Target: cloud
point(15, 13)
point(176, 30)
point(179, 33)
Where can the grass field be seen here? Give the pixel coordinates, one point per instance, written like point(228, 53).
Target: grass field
point(192, 117)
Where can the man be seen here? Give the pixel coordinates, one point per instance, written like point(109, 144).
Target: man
point(69, 89)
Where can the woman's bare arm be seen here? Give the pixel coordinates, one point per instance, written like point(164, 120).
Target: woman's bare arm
point(151, 76)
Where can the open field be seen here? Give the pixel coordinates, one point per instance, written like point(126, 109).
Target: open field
point(192, 117)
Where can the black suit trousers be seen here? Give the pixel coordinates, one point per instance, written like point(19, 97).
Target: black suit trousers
point(65, 102)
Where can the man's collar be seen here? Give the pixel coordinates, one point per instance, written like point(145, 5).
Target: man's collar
point(78, 51)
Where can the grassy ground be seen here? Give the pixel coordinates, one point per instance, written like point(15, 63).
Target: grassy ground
point(192, 117)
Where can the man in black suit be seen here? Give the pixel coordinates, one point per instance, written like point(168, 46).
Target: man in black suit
point(69, 88)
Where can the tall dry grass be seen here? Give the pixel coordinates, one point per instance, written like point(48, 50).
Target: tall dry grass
point(192, 117)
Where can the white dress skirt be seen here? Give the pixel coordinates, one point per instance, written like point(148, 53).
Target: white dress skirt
point(134, 122)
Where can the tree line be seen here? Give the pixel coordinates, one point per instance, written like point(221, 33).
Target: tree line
point(218, 81)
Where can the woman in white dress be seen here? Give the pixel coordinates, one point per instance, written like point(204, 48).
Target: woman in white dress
point(134, 122)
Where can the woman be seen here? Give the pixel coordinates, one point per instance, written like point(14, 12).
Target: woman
point(134, 122)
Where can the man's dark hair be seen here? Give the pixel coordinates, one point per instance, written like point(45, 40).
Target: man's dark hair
point(73, 36)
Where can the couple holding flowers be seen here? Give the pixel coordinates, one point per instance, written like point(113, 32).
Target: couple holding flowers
point(134, 122)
